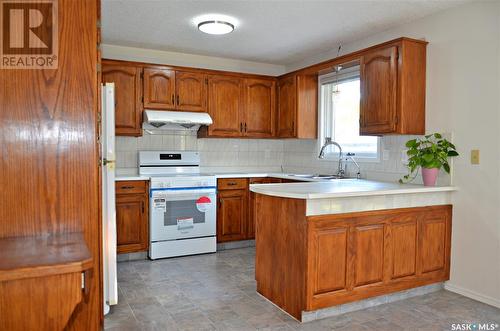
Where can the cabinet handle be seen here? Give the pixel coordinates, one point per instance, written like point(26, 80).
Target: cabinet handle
point(231, 183)
point(142, 205)
point(177, 99)
point(245, 127)
point(173, 99)
point(127, 187)
point(293, 126)
point(241, 127)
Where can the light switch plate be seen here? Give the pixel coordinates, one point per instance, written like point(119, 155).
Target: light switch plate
point(474, 156)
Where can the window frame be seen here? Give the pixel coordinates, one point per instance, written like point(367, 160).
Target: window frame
point(347, 74)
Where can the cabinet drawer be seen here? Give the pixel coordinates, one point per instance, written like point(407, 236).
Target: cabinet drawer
point(232, 183)
point(131, 186)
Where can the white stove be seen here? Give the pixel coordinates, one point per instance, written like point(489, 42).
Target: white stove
point(182, 204)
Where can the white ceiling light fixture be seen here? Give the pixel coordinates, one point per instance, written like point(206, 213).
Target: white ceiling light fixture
point(215, 24)
point(215, 27)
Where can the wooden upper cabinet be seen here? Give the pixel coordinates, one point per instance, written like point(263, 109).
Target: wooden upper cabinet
point(393, 89)
point(298, 106)
point(159, 88)
point(128, 94)
point(225, 106)
point(287, 107)
point(191, 91)
point(378, 87)
point(260, 108)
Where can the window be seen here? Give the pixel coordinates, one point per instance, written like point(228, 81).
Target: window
point(339, 115)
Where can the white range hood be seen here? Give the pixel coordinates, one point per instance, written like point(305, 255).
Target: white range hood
point(174, 120)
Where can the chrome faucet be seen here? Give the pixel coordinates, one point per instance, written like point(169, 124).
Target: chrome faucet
point(350, 157)
point(328, 142)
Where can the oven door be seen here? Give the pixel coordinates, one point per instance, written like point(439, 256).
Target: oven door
point(182, 213)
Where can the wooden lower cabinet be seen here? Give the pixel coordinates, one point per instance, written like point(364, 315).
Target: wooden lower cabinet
point(305, 263)
point(232, 215)
point(132, 221)
point(236, 208)
point(359, 255)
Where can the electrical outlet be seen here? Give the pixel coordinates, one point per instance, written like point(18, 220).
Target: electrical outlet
point(474, 156)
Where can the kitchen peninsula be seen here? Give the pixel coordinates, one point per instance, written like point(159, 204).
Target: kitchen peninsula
point(323, 244)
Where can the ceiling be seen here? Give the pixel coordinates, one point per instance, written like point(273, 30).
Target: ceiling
point(273, 31)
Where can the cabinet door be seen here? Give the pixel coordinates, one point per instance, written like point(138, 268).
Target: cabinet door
point(287, 107)
point(403, 247)
point(225, 106)
point(131, 223)
point(128, 94)
point(260, 108)
point(328, 261)
point(368, 245)
point(232, 215)
point(159, 88)
point(379, 91)
point(191, 91)
point(433, 239)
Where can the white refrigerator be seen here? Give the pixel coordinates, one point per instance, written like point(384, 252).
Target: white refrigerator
point(110, 285)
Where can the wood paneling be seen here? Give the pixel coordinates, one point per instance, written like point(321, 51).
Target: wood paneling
point(132, 216)
point(48, 125)
point(128, 97)
point(281, 252)
point(40, 303)
point(287, 107)
point(260, 108)
point(159, 88)
point(40, 256)
point(191, 91)
point(232, 215)
point(225, 106)
point(368, 245)
point(251, 202)
point(379, 78)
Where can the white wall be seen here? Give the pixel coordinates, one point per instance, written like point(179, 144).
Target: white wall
point(189, 60)
point(463, 88)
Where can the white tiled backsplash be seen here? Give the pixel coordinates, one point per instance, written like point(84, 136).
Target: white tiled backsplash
point(266, 155)
point(221, 155)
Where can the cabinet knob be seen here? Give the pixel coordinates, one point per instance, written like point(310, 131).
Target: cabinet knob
point(126, 187)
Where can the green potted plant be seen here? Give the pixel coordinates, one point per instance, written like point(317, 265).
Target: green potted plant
point(430, 153)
